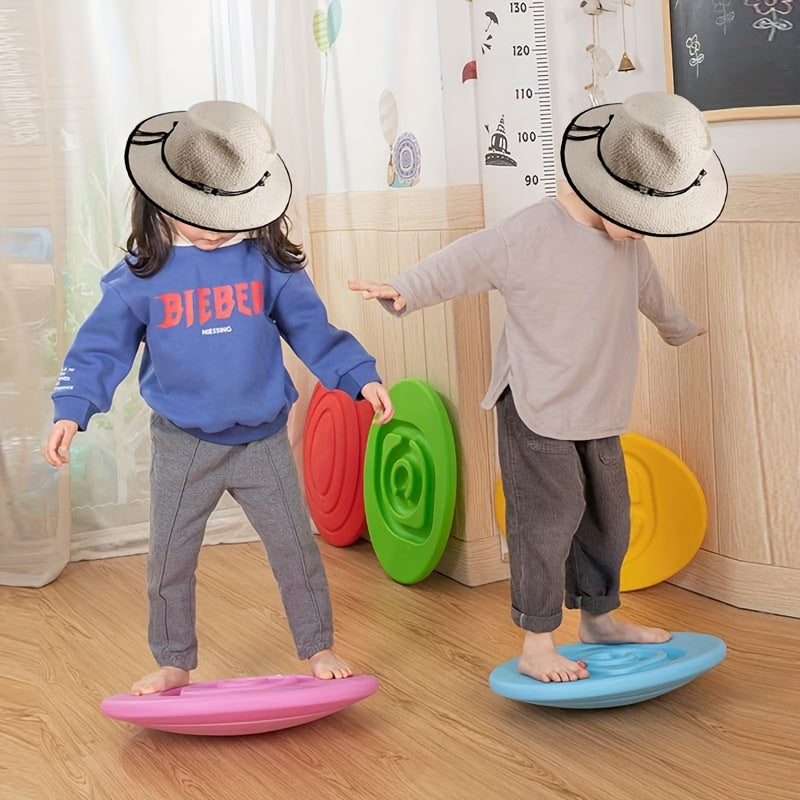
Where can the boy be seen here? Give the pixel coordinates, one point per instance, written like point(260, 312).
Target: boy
point(573, 272)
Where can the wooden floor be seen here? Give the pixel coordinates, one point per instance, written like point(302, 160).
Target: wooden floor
point(433, 731)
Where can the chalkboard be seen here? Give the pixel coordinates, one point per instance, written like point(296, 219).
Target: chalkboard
point(735, 59)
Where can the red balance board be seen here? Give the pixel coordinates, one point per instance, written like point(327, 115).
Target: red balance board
point(240, 705)
point(334, 441)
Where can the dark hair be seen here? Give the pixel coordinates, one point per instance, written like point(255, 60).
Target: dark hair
point(150, 241)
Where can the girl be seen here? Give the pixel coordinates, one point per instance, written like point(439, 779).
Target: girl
point(209, 286)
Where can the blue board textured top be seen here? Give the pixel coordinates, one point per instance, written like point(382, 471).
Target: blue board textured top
point(619, 674)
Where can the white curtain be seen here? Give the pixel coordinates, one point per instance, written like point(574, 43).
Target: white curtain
point(75, 77)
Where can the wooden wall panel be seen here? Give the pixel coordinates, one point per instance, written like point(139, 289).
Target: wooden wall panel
point(468, 343)
point(454, 208)
point(725, 402)
point(736, 423)
point(736, 458)
point(689, 282)
point(762, 198)
point(379, 257)
point(412, 326)
point(374, 236)
point(771, 286)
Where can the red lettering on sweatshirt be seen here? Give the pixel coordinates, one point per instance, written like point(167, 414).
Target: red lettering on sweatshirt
point(223, 301)
point(173, 309)
point(241, 298)
point(204, 303)
point(257, 294)
point(211, 302)
point(189, 306)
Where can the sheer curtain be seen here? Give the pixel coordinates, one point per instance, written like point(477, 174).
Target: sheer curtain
point(74, 78)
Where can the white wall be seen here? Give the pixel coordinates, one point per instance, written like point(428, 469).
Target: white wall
point(417, 48)
point(382, 46)
point(745, 147)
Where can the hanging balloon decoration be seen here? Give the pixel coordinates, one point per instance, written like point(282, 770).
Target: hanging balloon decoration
point(326, 26)
point(387, 110)
point(404, 154)
point(321, 31)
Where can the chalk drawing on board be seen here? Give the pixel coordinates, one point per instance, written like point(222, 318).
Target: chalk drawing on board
point(696, 58)
point(724, 14)
point(768, 12)
point(750, 48)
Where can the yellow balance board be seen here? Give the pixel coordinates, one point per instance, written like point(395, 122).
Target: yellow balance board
point(668, 513)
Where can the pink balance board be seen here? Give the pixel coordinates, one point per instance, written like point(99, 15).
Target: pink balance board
point(240, 706)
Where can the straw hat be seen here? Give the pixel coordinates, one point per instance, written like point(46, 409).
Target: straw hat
point(646, 164)
point(214, 166)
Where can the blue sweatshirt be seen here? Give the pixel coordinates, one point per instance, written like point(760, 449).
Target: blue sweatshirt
point(211, 323)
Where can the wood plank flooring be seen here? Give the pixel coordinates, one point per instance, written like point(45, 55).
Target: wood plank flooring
point(433, 731)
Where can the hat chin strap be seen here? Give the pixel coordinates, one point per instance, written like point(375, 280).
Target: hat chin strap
point(582, 133)
point(154, 137)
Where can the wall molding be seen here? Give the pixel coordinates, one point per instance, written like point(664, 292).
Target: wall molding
point(756, 587)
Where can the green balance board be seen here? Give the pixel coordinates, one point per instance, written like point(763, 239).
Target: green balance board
point(410, 482)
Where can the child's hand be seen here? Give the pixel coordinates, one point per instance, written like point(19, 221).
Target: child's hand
point(378, 397)
point(378, 291)
point(56, 450)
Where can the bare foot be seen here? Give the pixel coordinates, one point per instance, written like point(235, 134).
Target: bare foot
point(542, 661)
point(327, 665)
point(606, 629)
point(161, 680)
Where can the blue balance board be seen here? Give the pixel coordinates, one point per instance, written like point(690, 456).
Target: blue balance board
point(619, 674)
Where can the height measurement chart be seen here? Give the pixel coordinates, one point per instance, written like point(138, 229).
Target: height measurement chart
point(515, 124)
point(514, 108)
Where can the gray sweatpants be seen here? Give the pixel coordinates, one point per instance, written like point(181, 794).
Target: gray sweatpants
point(188, 476)
point(567, 521)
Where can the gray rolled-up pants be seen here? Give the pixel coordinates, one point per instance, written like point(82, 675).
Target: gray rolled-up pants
point(188, 476)
point(567, 521)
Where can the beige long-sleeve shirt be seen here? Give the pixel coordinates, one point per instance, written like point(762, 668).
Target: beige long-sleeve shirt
point(570, 341)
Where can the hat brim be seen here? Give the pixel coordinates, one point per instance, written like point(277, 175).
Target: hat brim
point(683, 214)
point(226, 213)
